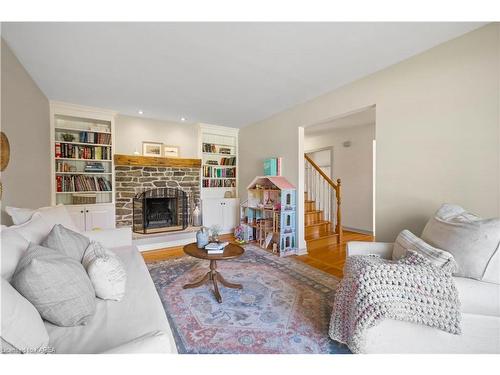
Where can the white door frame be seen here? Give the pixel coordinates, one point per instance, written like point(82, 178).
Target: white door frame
point(300, 188)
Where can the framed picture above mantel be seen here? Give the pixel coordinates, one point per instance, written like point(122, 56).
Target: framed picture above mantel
point(152, 149)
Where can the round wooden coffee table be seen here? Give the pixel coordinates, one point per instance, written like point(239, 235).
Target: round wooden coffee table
point(231, 251)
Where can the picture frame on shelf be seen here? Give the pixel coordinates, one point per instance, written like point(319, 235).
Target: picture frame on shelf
point(170, 151)
point(153, 149)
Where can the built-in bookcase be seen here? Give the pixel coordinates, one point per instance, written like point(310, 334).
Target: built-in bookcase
point(82, 162)
point(219, 150)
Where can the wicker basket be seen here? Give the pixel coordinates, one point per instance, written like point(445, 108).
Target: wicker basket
point(84, 198)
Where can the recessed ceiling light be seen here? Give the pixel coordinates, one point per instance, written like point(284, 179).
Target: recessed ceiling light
point(140, 111)
point(183, 119)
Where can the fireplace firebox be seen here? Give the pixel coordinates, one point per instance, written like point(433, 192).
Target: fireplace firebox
point(160, 210)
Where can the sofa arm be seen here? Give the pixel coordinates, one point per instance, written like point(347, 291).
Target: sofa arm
point(383, 249)
point(150, 343)
point(111, 237)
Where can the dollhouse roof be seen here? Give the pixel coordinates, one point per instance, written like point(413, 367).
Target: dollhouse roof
point(280, 182)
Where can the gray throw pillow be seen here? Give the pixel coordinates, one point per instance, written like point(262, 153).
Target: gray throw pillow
point(57, 285)
point(66, 241)
point(473, 241)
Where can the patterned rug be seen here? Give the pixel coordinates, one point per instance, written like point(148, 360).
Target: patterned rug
point(284, 306)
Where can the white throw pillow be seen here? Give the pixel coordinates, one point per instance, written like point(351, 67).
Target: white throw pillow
point(13, 247)
point(472, 241)
point(106, 272)
point(52, 215)
point(22, 326)
point(19, 215)
point(35, 230)
point(406, 240)
point(58, 215)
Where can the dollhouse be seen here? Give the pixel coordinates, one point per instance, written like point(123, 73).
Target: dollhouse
point(269, 214)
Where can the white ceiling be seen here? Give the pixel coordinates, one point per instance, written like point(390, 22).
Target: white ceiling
point(363, 117)
point(229, 74)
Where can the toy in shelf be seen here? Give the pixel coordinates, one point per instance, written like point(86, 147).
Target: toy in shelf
point(269, 212)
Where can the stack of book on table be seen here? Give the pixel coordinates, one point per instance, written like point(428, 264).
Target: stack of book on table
point(216, 247)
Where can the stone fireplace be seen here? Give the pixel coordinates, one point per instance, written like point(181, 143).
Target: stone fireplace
point(161, 183)
point(160, 210)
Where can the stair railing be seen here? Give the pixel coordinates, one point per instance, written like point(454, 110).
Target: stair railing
point(325, 192)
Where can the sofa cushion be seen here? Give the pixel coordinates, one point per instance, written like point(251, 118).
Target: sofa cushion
point(406, 240)
point(105, 271)
point(22, 326)
point(19, 215)
point(153, 342)
point(13, 247)
point(115, 323)
point(471, 240)
point(57, 285)
point(67, 241)
point(52, 215)
point(34, 230)
point(478, 297)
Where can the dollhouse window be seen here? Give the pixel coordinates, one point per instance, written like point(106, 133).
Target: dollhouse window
point(288, 198)
point(287, 242)
point(288, 220)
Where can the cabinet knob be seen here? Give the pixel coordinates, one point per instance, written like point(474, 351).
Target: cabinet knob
point(86, 210)
point(81, 211)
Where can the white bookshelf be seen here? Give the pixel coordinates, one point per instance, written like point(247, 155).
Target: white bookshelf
point(218, 144)
point(82, 137)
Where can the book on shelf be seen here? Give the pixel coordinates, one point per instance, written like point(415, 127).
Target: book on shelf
point(228, 161)
point(219, 183)
point(209, 171)
point(77, 183)
point(91, 137)
point(71, 151)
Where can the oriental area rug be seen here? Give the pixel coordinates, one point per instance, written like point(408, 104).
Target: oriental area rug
point(284, 306)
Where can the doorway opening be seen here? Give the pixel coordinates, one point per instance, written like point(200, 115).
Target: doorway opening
point(338, 151)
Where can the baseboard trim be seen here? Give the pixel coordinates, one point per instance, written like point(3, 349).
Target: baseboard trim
point(357, 230)
point(302, 251)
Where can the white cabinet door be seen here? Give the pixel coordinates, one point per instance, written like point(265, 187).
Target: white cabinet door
point(77, 213)
point(230, 214)
point(212, 212)
point(99, 217)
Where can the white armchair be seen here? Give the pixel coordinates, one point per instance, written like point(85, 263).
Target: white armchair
point(480, 318)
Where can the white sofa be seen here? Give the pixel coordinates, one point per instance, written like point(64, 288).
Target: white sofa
point(480, 307)
point(136, 324)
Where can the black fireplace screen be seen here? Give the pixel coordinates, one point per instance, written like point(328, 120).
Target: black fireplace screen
point(160, 210)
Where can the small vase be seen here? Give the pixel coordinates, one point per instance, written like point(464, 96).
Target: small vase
point(202, 238)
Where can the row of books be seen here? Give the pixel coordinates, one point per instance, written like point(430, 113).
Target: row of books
point(209, 171)
point(82, 183)
point(91, 137)
point(96, 167)
point(219, 183)
point(65, 150)
point(228, 161)
point(212, 148)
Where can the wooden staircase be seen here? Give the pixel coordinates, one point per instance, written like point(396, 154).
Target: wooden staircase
point(320, 231)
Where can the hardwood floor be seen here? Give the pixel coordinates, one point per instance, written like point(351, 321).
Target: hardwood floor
point(329, 259)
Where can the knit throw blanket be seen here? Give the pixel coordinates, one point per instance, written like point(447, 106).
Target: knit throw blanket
point(410, 289)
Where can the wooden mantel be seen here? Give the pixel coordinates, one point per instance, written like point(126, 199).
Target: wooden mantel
point(156, 161)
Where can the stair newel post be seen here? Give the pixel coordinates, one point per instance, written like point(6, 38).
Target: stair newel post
point(338, 228)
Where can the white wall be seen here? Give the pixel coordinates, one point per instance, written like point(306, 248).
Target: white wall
point(437, 132)
point(354, 166)
point(130, 132)
point(26, 122)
